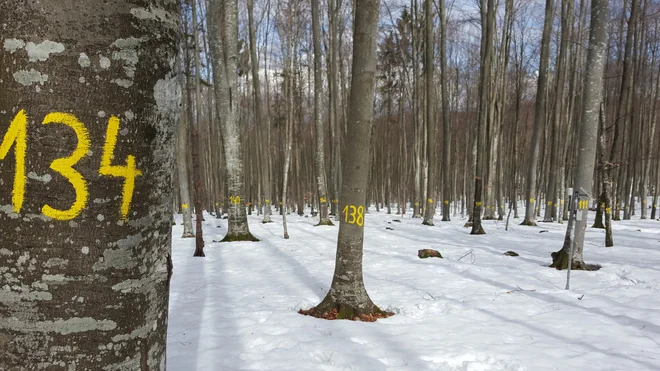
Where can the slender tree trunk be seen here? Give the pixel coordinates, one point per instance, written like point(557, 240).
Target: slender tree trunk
point(182, 169)
point(321, 183)
point(622, 110)
point(606, 184)
point(488, 19)
point(539, 116)
point(288, 140)
point(553, 187)
point(446, 124)
point(104, 276)
point(429, 120)
point(261, 118)
point(194, 139)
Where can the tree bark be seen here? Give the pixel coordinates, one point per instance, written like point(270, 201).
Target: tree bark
point(321, 182)
point(223, 27)
point(446, 124)
point(194, 140)
point(87, 247)
point(539, 116)
point(488, 25)
point(593, 88)
point(347, 293)
point(261, 118)
point(429, 120)
point(182, 169)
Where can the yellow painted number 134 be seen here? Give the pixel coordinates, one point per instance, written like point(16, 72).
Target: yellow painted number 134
point(17, 135)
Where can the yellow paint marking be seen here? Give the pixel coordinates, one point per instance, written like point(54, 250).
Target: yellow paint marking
point(129, 172)
point(64, 166)
point(17, 132)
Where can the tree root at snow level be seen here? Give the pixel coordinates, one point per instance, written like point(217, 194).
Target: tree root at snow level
point(530, 223)
point(480, 230)
point(325, 222)
point(239, 237)
point(560, 262)
point(349, 313)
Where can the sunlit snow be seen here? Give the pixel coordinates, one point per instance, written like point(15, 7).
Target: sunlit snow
point(476, 309)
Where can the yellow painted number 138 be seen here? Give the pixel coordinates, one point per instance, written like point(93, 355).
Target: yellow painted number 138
point(17, 135)
point(356, 215)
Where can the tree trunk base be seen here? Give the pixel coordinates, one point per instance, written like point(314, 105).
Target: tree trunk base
point(428, 222)
point(529, 223)
point(446, 218)
point(239, 237)
point(480, 230)
point(325, 222)
point(333, 311)
point(188, 235)
point(598, 223)
point(560, 262)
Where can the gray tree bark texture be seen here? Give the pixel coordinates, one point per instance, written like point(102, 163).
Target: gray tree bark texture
point(488, 25)
point(446, 125)
point(261, 118)
point(593, 91)
point(182, 168)
point(429, 120)
point(321, 182)
point(85, 249)
point(223, 34)
point(347, 293)
point(195, 142)
point(539, 117)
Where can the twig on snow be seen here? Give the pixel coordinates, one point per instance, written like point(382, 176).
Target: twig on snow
point(469, 253)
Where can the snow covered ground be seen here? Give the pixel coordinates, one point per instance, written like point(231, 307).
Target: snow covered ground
point(237, 308)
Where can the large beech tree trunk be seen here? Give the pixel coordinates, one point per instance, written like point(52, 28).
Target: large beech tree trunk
point(593, 91)
point(87, 252)
point(224, 44)
point(347, 293)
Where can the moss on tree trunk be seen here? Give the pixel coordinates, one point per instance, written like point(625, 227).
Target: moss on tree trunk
point(239, 237)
